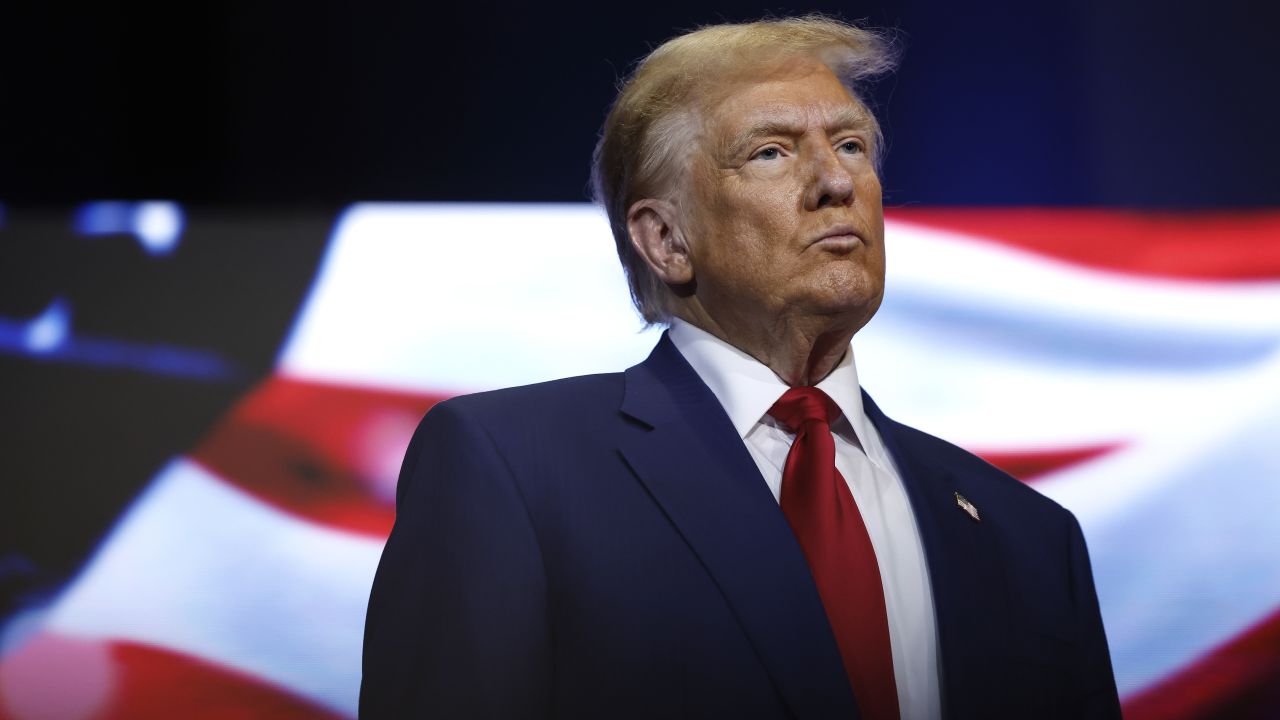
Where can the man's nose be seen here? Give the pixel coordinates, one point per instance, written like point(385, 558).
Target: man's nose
point(832, 183)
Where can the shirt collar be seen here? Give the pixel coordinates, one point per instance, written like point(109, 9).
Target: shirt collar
point(747, 388)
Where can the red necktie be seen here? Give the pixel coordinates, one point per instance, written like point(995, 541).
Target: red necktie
point(826, 521)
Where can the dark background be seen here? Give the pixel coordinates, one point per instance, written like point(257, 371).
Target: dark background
point(1163, 105)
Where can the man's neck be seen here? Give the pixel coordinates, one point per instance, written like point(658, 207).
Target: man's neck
point(801, 351)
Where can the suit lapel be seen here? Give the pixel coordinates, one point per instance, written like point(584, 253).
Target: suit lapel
point(686, 452)
point(968, 585)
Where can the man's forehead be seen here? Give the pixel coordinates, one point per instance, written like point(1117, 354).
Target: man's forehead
point(814, 98)
point(800, 115)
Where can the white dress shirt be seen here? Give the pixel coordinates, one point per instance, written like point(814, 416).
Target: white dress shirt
point(747, 389)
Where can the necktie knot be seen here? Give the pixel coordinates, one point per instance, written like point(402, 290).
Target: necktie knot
point(801, 405)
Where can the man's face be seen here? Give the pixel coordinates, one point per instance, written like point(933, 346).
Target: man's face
point(786, 213)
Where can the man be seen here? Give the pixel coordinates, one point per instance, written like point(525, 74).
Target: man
point(729, 529)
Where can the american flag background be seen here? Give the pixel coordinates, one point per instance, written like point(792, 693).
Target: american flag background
point(1126, 364)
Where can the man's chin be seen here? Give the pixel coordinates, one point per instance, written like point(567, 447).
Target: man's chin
point(854, 294)
point(846, 311)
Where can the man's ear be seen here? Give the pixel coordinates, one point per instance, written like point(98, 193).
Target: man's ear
point(656, 233)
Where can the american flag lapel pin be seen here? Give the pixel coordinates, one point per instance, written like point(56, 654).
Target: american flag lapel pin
point(968, 507)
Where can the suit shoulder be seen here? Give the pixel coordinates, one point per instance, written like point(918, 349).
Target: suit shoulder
point(554, 401)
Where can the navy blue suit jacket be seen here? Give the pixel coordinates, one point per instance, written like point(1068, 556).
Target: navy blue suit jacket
point(605, 547)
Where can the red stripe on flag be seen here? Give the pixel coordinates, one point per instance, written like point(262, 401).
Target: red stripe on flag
point(328, 453)
point(1239, 680)
point(1240, 245)
point(53, 676)
point(1027, 465)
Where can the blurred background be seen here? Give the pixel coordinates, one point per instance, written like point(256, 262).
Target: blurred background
point(244, 246)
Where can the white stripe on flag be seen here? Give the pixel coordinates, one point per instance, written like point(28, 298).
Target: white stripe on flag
point(199, 567)
point(465, 297)
point(993, 348)
point(1184, 531)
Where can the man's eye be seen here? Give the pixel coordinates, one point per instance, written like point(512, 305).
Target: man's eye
point(851, 146)
point(769, 153)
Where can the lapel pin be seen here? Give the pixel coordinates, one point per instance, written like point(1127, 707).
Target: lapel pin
point(968, 507)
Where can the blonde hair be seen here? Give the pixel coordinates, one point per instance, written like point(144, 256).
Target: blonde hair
point(644, 147)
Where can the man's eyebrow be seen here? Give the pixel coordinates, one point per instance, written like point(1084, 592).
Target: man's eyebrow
point(850, 118)
point(845, 118)
point(766, 128)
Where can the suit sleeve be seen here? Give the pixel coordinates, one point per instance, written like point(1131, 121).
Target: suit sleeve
point(457, 618)
point(1098, 697)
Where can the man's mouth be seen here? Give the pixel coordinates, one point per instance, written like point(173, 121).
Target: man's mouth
point(838, 237)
